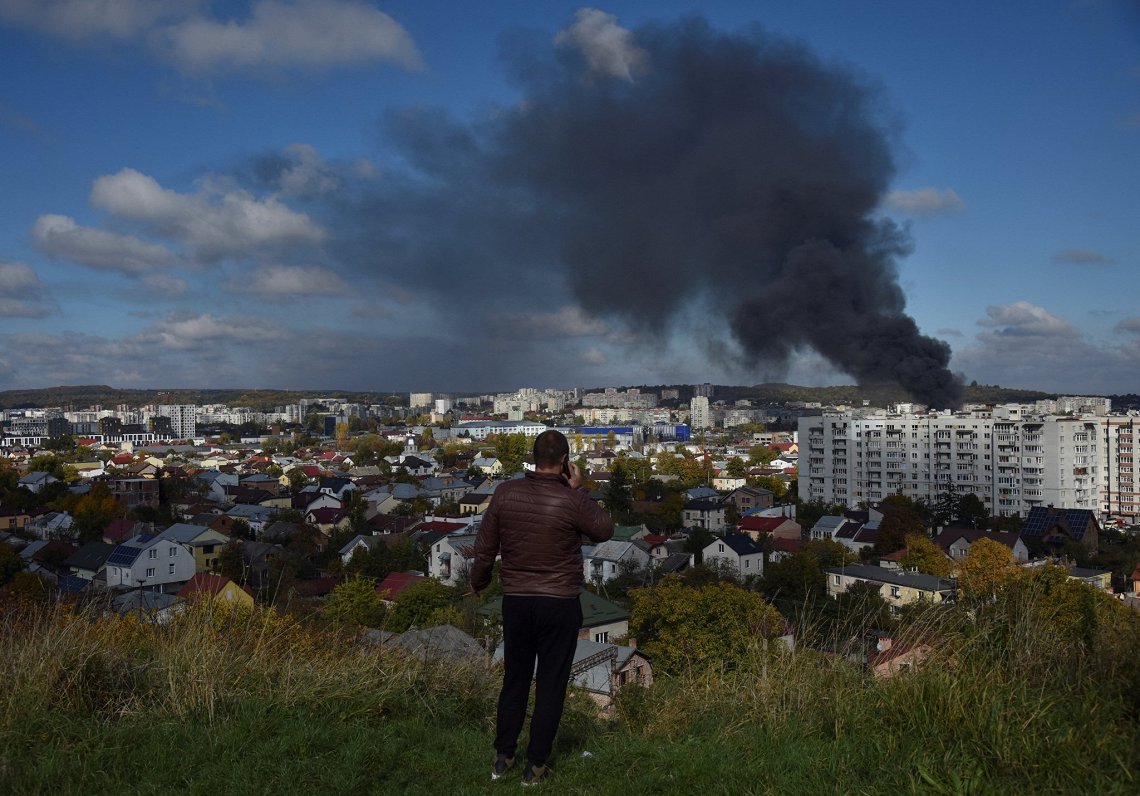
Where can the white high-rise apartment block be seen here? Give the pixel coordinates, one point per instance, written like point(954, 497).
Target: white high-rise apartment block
point(699, 413)
point(1010, 457)
point(182, 419)
point(419, 399)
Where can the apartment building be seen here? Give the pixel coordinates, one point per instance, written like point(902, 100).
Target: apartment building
point(1010, 457)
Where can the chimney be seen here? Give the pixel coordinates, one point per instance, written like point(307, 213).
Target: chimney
point(631, 642)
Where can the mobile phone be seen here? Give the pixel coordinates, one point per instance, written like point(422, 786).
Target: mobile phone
point(566, 468)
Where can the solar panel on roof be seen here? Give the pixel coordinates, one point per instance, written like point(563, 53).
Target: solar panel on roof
point(123, 556)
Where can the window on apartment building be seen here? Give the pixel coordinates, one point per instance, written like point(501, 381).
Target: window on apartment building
point(152, 553)
point(150, 573)
point(171, 570)
point(173, 552)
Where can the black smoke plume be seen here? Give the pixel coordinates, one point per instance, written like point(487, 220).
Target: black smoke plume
point(735, 169)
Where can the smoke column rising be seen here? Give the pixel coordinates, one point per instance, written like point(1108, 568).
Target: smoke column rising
point(676, 164)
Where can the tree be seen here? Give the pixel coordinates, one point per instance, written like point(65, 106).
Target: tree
point(355, 602)
point(617, 496)
point(716, 625)
point(972, 511)
point(925, 556)
point(511, 450)
point(761, 455)
point(898, 522)
point(231, 563)
point(93, 511)
point(736, 467)
point(986, 571)
point(418, 605)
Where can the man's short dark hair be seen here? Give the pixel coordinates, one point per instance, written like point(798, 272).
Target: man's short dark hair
point(549, 448)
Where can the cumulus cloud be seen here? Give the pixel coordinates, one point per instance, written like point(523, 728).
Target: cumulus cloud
point(277, 34)
point(1022, 319)
point(21, 292)
point(1082, 257)
point(93, 19)
point(1024, 345)
point(924, 202)
point(306, 173)
point(62, 238)
point(164, 285)
point(1129, 325)
point(182, 332)
point(949, 332)
point(608, 48)
point(570, 321)
point(214, 223)
point(279, 282)
point(304, 33)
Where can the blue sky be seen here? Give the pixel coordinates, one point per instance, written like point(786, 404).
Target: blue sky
point(323, 194)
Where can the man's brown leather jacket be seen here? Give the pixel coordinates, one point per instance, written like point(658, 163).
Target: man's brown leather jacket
point(536, 523)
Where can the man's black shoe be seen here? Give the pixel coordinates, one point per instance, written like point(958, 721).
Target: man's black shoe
point(503, 764)
point(532, 774)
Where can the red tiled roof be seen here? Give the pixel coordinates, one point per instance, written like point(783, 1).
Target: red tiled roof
point(396, 582)
point(788, 545)
point(763, 524)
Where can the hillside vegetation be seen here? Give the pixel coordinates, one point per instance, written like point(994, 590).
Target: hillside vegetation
point(256, 703)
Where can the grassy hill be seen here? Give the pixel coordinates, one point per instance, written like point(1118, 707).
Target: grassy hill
point(219, 704)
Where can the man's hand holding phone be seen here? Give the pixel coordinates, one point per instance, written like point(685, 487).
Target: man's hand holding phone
point(570, 474)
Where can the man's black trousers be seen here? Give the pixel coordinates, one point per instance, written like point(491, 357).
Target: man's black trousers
point(542, 629)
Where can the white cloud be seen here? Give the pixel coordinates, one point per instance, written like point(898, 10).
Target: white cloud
point(214, 223)
point(60, 237)
point(594, 356)
point(1082, 257)
point(307, 173)
point(293, 281)
point(1129, 325)
point(304, 33)
point(926, 202)
point(21, 292)
point(188, 332)
point(606, 45)
point(91, 19)
point(164, 285)
point(1022, 319)
point(1023, 345)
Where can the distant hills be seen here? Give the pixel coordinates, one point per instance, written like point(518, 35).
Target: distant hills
point(79, 397)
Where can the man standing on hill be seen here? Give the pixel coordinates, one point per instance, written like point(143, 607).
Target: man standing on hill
point(536, 523)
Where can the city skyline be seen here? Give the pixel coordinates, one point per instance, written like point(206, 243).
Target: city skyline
point(282, 194)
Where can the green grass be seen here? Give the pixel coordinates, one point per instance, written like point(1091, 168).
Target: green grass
point(259, 705)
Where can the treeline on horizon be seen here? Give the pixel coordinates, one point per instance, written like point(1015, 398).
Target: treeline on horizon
point(80, 397)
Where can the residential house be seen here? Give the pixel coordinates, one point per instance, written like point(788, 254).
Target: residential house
point(885, 657)
point(257, 517)
point(89, 560)
point(1053, 527)
point(956, 542)
point(704, 513)
point(748, 498)
point(204, 543)
point(150, 561)
point(488, 465)
point(756, 526)
point(132, 493)
point(395, 583)
point(37, 480)
point(451, 558)
point(13, 520)
point(50, 525)
point(604, 562)
point(212, 587)
point(474, 503)
point(602, 669)
point(897, 588)
point(148, 605)
point(737, 553)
